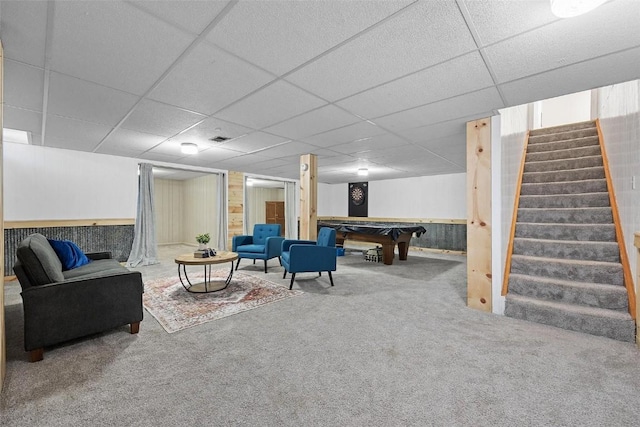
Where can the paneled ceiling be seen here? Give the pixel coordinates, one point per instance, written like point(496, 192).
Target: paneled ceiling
point(387, 85)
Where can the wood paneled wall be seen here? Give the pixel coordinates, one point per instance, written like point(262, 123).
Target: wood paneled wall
point(200, 208)
point(256, 198)
point(235, 187)
point(186, 208)
point(308, 197)
point(169, 210)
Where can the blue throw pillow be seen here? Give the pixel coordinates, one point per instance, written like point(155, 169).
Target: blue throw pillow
point(71, 256)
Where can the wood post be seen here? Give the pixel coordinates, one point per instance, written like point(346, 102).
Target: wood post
point(235, 197)
point(479, 214)
point(308, 197)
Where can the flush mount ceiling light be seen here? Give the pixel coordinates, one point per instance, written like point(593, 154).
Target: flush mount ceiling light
point(189, 148)
point(570, 8)
point(363, 172)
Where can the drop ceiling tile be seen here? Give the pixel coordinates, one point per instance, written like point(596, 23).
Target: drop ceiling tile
point(207, 129)
point(390, 154)
point(350, 133)
point(476, 103)
point(464, 74)
point(289, 149)
point(373, 143)
point(26, 89)
point(93, 41)
point(160, 119)
point(73, 134)
point(138, 142)
point(567, 41)
point(243, 161)
point(192, 19)
point(208, 79)
point(117, 151)
point(254, 141)
point(23, 26)
point(79, 99)
point(426, 34)
point(292, 33)
point(171, 148)
point(159, 157)
point(272, 104)
point(496, 20)
point(316, 121)
point(267, 165)
point(439, 130)
point(575, 78)
point(15, 118)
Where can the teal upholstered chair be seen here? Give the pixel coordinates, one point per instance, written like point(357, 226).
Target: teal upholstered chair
point(299, 256)
point(265, 243)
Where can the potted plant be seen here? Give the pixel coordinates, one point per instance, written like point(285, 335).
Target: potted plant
point(202, 240)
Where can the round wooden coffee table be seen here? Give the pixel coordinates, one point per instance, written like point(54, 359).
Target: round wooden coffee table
point(208, 285)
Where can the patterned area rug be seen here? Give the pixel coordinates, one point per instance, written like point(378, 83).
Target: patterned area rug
point(176, 309)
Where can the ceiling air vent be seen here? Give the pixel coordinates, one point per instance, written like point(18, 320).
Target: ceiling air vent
point(219, 139)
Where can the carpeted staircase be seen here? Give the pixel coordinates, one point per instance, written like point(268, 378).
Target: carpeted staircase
point(565, 264)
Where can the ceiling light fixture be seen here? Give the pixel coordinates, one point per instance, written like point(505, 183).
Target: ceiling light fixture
point(363, 172)
point(189, 148)
point(571, 8)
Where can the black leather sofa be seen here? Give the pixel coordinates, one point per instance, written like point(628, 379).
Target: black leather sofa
point(64, 305)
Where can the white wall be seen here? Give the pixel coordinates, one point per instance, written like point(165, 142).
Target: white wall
point(572, 108)
point(507, 151)
point(438, 196)
point(200, 207)
point(42, 183)
point(619, 113)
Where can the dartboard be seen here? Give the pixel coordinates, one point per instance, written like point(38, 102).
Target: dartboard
point(357, 195)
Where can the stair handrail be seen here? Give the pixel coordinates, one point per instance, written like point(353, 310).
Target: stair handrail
point(624, 259)
point(516, 203)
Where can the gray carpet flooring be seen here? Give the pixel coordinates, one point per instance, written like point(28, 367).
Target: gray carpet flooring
point(387, 346)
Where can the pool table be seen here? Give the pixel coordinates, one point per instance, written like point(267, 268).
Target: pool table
point(386, 235)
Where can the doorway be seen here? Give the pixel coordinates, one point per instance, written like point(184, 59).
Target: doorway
point(274, 214)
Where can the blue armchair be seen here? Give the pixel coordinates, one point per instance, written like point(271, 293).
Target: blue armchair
point(265, 243)
point(299, 256)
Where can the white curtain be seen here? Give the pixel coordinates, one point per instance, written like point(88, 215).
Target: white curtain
point(144, 250)
point(222, 212)
point(290, 218)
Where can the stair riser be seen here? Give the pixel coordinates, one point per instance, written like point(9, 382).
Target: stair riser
point(594, 251)
point(544, 156)
point(565, 201)
point(561, 176)
point(564, 164)
point(621, 330)
point(576, 187)
point(562, 136)
point(590, 124)
point(582, 233)
point(566, 216)
point(562, 145)
point(610, 274)
point(608, 297)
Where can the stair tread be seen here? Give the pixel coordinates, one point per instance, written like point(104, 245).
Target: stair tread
point(566, 194)
point(574, 308)
point(565, 182)
point(564, 242)
point(531, 162)
point(561, 224)
point(572, 283)
point(566, 209)
point(568, 170)
point(568, 261)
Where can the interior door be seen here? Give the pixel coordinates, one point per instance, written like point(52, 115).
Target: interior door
point(275, 214)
